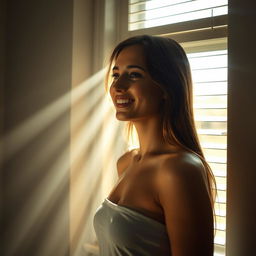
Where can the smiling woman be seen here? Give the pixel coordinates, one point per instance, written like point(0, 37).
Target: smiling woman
point(144, 97)
point(163, 201)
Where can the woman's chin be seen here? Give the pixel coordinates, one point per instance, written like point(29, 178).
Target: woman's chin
point(122, 117)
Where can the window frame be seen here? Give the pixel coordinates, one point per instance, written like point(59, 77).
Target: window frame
point(187, 31)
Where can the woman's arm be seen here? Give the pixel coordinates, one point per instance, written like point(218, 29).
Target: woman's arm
point(182, 192)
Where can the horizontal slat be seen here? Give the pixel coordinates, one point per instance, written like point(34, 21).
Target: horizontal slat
point(220, 223)
point(213, 141)
point(211, 89)
point(210, 101)
point(215, 155)
point(221, 183)
point(220, 209)
point(211, 119)
point(214, 115)
point(217, 132)
point(209, 145)
point(220, 237)
point(219, 250)
point(219, 169)
point(137, 6)
point(207, 54)
point(210, 75)
point(221, 196)
point(208, 61)
point(214, 125)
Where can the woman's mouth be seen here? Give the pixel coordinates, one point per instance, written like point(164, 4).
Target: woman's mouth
point(123, 103)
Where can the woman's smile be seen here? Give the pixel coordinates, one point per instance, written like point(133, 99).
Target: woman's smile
point(123, 101)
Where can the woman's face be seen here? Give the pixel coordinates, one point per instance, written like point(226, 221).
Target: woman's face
point(134, 94)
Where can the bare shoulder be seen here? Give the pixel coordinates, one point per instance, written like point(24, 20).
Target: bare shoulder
point(183, 167)
point(183, 194)
point(124, 161)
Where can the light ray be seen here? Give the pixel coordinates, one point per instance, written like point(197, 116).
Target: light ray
point(16, 139)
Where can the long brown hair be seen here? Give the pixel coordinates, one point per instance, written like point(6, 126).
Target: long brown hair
point(169, 67)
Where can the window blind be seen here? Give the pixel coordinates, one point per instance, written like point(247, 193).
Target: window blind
point(209, 72)
point(147, 14)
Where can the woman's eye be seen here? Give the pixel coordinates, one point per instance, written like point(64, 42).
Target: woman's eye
point(134, 75)
point(115, 76)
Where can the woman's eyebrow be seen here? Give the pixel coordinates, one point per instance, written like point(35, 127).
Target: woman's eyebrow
point(129, 66)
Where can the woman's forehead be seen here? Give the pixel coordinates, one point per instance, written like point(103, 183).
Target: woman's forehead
point(131, 55)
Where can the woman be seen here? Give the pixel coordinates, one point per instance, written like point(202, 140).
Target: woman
point(163, 201)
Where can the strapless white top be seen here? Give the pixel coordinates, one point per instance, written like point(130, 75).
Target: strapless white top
point(122, 231)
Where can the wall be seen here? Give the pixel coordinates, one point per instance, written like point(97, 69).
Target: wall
point(2, 77)
point(82, 67)
point(37, 127)
point(241, 193)
point(96, 142)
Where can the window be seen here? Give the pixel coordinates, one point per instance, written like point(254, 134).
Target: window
point(201, 28)
point(147, 14)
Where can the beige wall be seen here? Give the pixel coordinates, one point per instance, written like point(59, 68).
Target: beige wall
point(82, 67)
point(37, 133)
point(2, 76)
point(241, 192)
point(50, 49)
point(95, 141)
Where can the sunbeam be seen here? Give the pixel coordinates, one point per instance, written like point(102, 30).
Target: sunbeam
point(17, 139)
point(92, 173)
point(40, 193)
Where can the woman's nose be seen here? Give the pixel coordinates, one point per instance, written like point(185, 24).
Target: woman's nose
point(121, 84)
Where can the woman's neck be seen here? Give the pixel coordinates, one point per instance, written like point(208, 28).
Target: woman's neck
point(151, 140)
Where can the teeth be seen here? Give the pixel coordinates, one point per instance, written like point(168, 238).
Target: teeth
point(121, 101)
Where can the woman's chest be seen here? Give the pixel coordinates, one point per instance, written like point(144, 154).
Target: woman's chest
point(136, 189)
